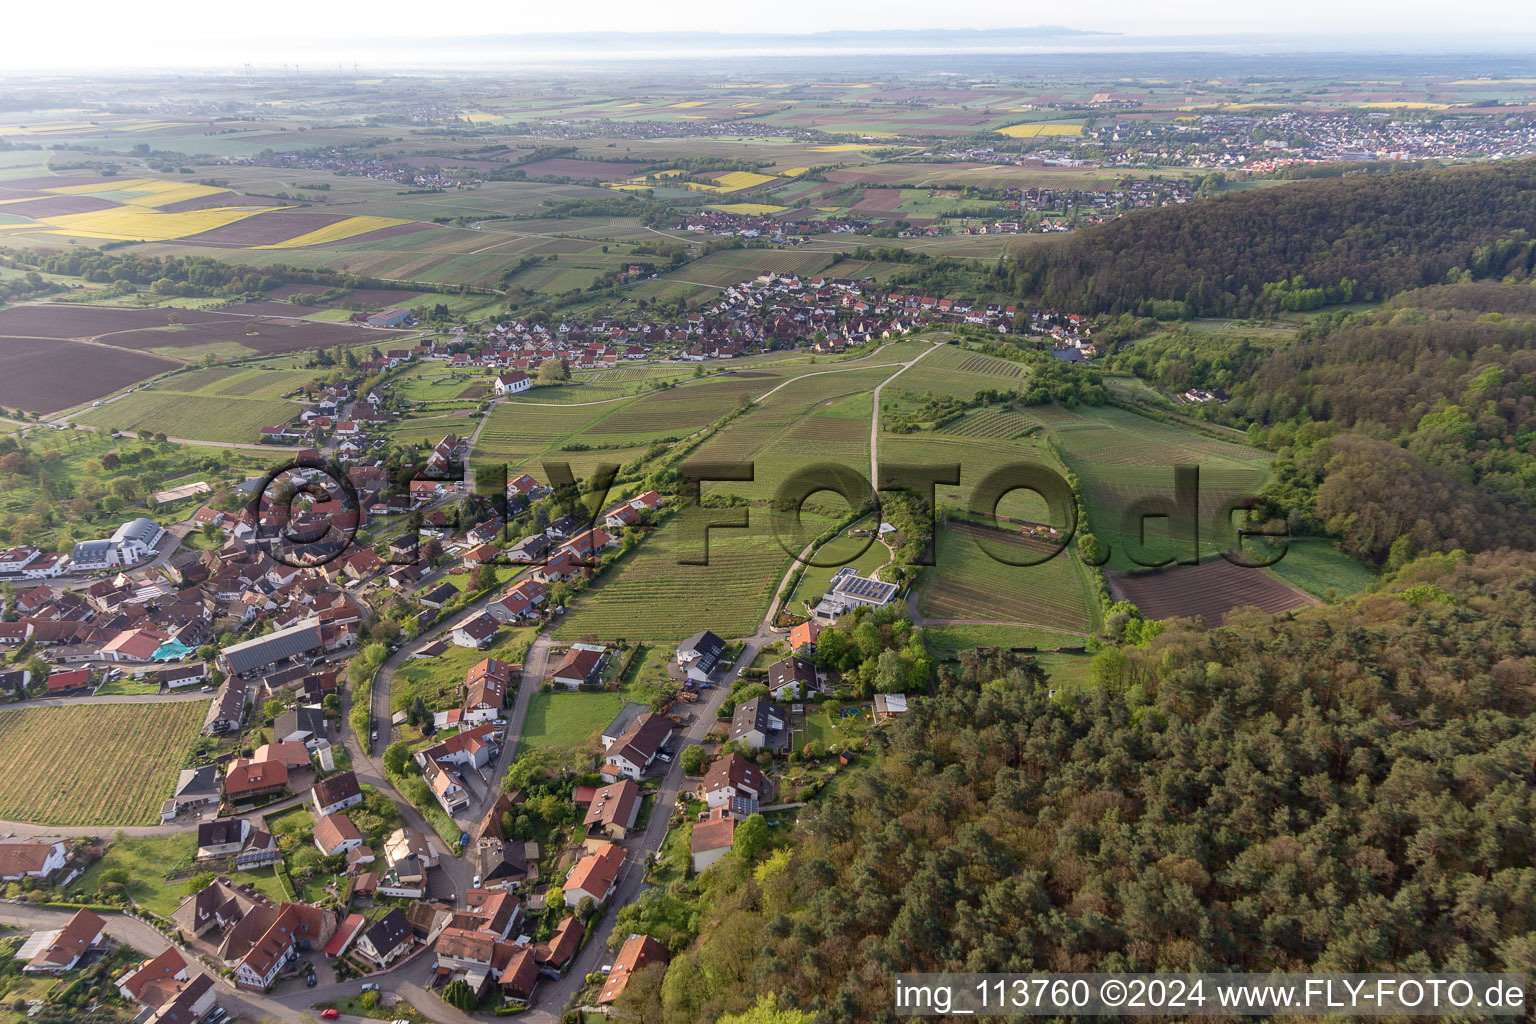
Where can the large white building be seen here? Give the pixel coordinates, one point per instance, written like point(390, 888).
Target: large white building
point(129, 544)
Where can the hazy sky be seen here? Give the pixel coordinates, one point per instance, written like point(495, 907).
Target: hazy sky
point(187, 33)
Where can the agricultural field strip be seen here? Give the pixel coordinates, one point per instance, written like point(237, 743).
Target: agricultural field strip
point(119, 777)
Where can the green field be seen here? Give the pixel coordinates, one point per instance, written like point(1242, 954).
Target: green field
point(439, 681)
point(120, 775)
point(650, 596)
point(567, 719)
point(148, 859)
point(836, 553)
point(968, 584)
point(1314, 565)
point(194, 417)
point(1122, 458)
point(955, 638)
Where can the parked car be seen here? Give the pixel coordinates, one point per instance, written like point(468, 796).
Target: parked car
point(369, 986)
point(329, 1015)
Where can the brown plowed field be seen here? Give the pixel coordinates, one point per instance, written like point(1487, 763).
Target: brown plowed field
point(278, 309)
point(62, 320)
point(584, 169)
point(271, 336)
point(56, 206)
point(218, 200)
point(1209, 590)
point(266, 228)
point(377, 298)
point(288, 291)
point(44, 374)
point(393, 231)
point(879, 200)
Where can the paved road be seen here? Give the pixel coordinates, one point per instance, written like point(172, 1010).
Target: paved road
point(289, 1001)
point(111, 698)
point(552, 997)
point(186, 823)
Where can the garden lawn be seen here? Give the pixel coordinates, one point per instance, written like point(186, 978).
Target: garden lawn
point(567, 719)
point(439, 681)
point(1313, 564)
point(146, 860)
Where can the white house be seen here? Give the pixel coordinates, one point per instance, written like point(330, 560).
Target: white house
point(512, 382)
point(129, 544)
point(31, 858)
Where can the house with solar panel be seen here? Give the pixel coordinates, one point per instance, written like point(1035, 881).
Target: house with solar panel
point(849, 590)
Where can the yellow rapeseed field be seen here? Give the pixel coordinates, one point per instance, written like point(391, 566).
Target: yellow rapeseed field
point(843, 147)
point(794, 172)
point(737, 180)
point(110, 185)
point(1031, 131)
point(349, 228)
point(179, 194)
point(129, 223)
point(748, 208)
point(692, 103)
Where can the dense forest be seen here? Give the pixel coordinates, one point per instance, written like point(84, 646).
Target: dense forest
point(1348, 788)
point(185, 275)
point(1294, 246)
point(1400, 431)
